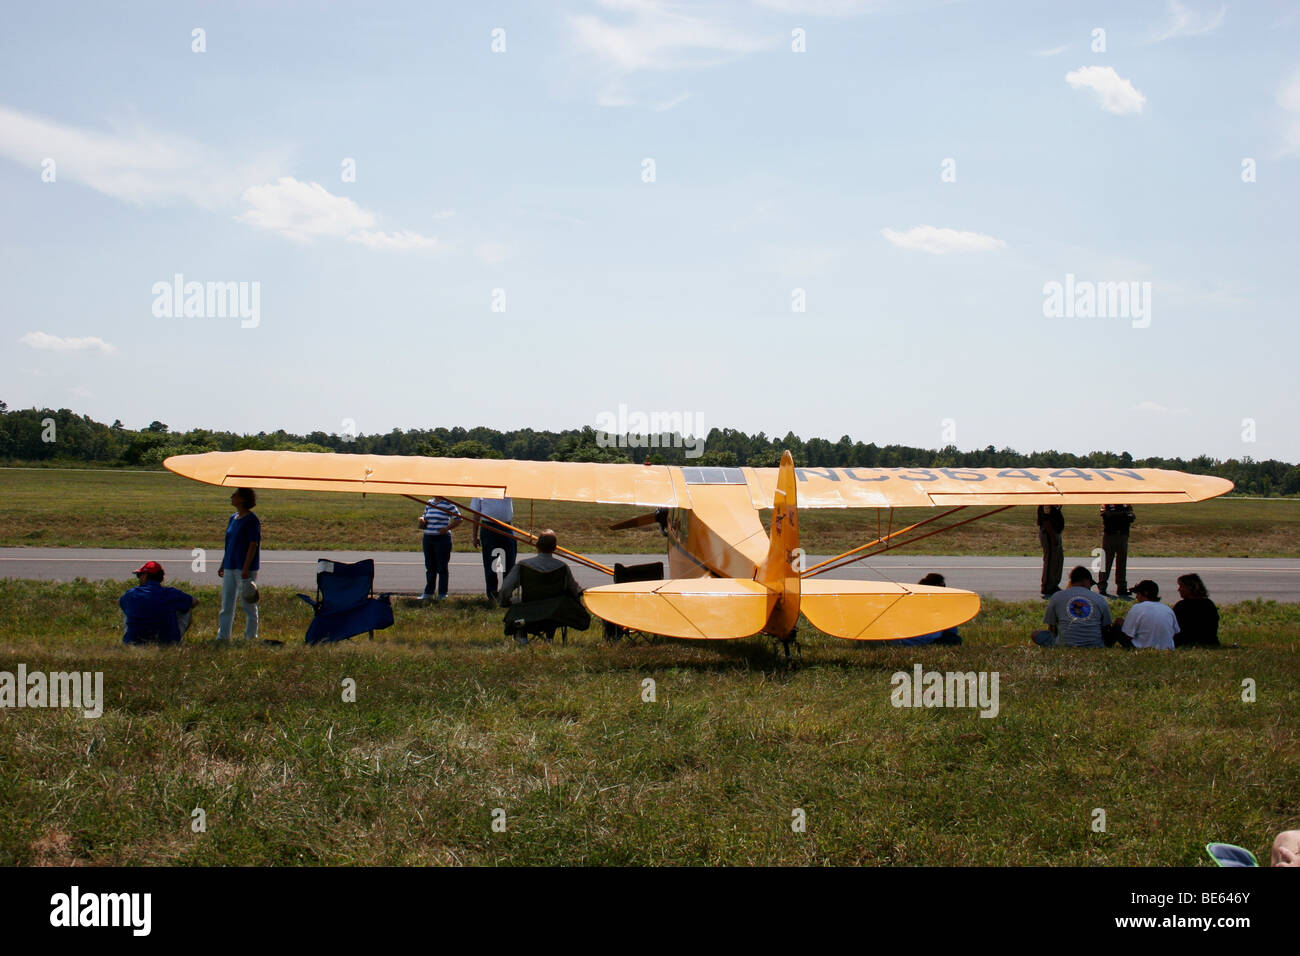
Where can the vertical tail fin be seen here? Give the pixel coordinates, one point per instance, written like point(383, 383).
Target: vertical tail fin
point(779, 571)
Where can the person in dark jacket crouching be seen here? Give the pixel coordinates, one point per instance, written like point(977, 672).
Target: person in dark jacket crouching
point(155, 614)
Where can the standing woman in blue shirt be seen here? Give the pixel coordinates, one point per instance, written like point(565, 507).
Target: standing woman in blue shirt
point(438, 520)
point(239, 564)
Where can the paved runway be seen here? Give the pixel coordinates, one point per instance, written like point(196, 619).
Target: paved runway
point(1013, 579)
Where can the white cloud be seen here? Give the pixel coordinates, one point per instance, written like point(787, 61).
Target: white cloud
point(134, 164)
point(396, 241)
point(660, 35)
point(939, 241)
point(58, 343)
point(1117, 95)
point(306, 211)
point(139, 165)
point(1189, 23)
point(444, 214)
point(1288, 97)
point(1054, 51)
point(667, 105)
point(302, 210)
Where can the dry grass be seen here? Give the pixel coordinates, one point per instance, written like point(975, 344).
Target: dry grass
point(452, 722)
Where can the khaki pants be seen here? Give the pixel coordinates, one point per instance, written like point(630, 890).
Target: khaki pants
point(1115, 549)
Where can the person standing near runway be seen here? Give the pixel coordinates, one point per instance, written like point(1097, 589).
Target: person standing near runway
point(1051, 522)
point(1115, 523)
point(438, 521)
point(239, 564)
point(493, 539)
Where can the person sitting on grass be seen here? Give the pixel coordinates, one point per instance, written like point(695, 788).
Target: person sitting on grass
point(1077, 616)
point(1150, 623)
point(155, 614)
point(1198, 618)
point(948, 636)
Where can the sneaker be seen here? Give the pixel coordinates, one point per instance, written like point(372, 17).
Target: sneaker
point(426, 597)
point(1102, 591)
point(1125, 595)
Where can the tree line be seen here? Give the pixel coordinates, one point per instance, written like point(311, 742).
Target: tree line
point(48, 436)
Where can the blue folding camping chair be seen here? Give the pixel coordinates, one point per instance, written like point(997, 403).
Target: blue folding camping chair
point(344, 604)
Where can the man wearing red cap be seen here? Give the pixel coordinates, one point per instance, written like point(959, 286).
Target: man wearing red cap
point(155, 614)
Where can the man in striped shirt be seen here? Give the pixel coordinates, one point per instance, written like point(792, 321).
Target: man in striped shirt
point(438, 520)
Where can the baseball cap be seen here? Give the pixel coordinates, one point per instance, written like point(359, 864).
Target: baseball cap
point(149, 567)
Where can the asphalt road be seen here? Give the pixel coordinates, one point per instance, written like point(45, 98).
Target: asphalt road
point(1014, 579)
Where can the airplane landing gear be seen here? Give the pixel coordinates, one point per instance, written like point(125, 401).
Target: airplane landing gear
point(790, 641)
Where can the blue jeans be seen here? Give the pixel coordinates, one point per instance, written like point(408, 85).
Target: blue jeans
point(491, 541)
point(231, 584)
point(437, 555)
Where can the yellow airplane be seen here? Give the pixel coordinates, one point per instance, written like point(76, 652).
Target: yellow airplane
point(728, 576)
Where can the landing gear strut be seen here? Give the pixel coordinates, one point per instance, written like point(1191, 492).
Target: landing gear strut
point(791, 640)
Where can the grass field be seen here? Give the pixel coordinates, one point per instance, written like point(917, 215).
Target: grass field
point(451, 722)
point(100, 508)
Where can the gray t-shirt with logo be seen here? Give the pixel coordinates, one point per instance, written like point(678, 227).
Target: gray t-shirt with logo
point(1079, 615)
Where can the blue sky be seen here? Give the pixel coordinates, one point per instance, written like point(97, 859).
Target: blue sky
point(523, 171)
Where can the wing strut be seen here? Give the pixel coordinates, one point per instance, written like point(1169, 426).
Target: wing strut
point(520, 535)
point(840, 560)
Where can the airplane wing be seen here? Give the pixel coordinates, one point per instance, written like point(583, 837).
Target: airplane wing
point(657, 486)
point(950, 487)
point(645, 485)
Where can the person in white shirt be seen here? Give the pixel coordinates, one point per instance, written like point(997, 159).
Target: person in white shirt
point(497, 544)
point(1150, 623)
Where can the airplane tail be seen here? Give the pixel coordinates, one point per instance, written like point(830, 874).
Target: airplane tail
point(700, 608)
point(780, 572)
point(728, 608)
point(881, 610)
point(718, 608)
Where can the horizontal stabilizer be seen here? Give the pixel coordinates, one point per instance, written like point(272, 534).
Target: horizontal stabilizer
point(699, 608)
point(880, 610)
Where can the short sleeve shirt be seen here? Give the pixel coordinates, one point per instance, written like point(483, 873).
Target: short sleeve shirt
point(1151, 624)
point(438, 516)
point(240, 532)
point(1079, 615)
